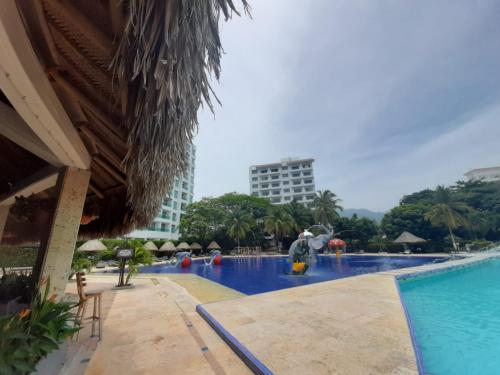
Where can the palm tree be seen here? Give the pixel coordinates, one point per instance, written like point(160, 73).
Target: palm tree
point(300, 214)
point(239, 225)
point(448, 212)
point(325, 207)
point(279, 223)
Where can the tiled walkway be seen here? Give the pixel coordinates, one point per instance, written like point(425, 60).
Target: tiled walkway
point(153, 329)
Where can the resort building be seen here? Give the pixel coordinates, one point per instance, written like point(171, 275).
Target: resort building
point(166, 223)
point(284, 181)
point(484, 174)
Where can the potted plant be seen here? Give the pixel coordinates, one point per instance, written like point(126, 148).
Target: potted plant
point(30, 335)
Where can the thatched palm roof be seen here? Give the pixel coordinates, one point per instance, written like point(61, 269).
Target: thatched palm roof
point(131, 76)
point(195, 246)
point(168, 246)
point(150, 246)
point(92, 246)
point(407, 237)
point(183, 246)
point(213, 246)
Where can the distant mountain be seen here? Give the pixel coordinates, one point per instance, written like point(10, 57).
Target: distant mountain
point(362, 212)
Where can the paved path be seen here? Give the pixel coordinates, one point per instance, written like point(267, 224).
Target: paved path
point(154, 329)
point(348, 326)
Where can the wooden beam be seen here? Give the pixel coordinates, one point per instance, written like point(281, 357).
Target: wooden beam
point(102, 147)
point(23, 81)
point(40, 181)
point(96, 190)
point(104, 165)
point(13, 127)
point(85, 26)
point(64, 84)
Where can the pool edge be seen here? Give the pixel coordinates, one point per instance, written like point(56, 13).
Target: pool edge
point(253, 363)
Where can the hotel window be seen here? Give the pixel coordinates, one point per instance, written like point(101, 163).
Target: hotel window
point(298, 197)
point(274, 170)
point(286, 190)
point(264, 178)
point(287, 198)
point(309, 188)
point(255, 186)
point(184, 196)
point(185, 185)
point(263, 171)
point(275, 177)
point(308, 181)
point(295, 167)
point(306, 165)
point(284, 175)
point(174, 216)
point(163, 227)
point(254, 171)
point(190, 199)
point(296, 174)
point(264, 186)
point(276, 199)
point(284, 168)
point(265, 193)
point(254, 178)
point(297, 190)
point(175, 205)
point(176, 182)
point(296, 182)
point(306, 173)
point(275, 184)
point(173, 228)
point(286, 182)
point(255, 194)
point(276, 192)
point(176, 194)
point(183, 206)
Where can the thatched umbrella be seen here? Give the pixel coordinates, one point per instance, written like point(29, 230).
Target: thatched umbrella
point(195, 246)
point(408, 238)
point(92, 246)
point(150, 246)
point(168, 246)
point(183, 246)
point(213, 246)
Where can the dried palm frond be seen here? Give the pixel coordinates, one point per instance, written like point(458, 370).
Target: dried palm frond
point(169, 51)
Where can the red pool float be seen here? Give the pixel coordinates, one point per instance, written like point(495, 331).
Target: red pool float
point(186, 262)
point(218, 260)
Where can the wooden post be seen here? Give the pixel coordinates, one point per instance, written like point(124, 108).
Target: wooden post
point(58, 252)
point(4, 213)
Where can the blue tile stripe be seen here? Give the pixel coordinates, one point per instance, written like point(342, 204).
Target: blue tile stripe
point(248, 358)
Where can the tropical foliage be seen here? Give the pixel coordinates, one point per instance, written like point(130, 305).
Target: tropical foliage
point(279, 222)
point(325, 207)
point(239, 225)
point(27, 337)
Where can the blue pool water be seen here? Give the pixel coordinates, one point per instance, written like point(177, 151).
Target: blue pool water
point(456, 319)
point(252, 275)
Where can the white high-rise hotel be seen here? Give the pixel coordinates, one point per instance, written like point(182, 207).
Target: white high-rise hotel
point(284, 181)
point(166, 224)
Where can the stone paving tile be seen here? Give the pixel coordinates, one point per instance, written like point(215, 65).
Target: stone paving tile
point(146, 332)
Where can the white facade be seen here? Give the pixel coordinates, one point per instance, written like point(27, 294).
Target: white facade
point(484, 174)
point(166, 224)
point(284, 181)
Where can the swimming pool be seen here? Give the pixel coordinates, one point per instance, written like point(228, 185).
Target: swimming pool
point(252, 275)
point(455, 318)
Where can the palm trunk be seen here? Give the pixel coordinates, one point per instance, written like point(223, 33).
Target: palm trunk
point(452, 238)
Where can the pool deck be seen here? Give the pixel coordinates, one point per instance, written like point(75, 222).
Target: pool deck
point(354, 325)
point(153, 328)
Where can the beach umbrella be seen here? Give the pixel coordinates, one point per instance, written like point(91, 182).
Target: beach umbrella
point(150, 246)
point(213, 246)
point(168, 246)
point(408, 238)
point(92, 246)
point(196, 246)
point(183, 246)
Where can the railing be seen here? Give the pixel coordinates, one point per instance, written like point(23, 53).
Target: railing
point(248, 250)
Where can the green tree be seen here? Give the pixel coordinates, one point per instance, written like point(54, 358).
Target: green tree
point(448, 212)
point(379, 241)
point(410, 218)
point(239, 225)
point(325, 207)
point(279, 223)
point(302, 215)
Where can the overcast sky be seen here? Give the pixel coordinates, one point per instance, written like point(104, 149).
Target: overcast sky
point(389, 97)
